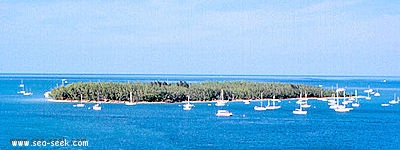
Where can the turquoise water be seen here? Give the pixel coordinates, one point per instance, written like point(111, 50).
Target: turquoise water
point(167, 126)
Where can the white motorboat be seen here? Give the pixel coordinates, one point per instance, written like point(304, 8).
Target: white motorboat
point(187, 107)
point(223, 113)
point(305, 105)
point(342, 109)
point(246, 102)
point(96, 107)
point(80, 105)
point(220, 103)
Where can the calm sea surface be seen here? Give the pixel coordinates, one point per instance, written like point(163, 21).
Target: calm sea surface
point(167, 126)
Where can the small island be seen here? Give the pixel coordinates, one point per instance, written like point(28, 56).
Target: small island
point(119, 92)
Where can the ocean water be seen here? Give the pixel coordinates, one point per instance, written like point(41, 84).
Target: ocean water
point(167, 126)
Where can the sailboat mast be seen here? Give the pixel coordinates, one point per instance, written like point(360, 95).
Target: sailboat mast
point(261, 99)
point(337, 97)
point(273, 100)
point(130, 96)
point(356, 95)
point(222, 94)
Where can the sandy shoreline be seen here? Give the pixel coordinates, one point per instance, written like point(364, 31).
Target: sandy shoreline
point(214, 101)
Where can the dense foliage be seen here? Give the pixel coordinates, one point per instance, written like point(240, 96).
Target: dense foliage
point(177, 92)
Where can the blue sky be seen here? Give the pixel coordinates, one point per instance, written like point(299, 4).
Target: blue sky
point(351, 37)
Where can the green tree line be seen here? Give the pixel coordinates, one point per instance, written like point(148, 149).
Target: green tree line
point(177, 92)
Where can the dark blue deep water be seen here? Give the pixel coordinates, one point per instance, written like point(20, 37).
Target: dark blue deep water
point(167, 126)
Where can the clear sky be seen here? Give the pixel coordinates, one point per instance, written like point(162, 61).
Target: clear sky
point(292, 37)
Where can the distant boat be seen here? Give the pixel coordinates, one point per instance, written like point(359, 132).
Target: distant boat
point(341, 108)
point(261, 107)
point(369, 90)
point(223, 113)
point(28, 94)
point(356, 103)
point(334, 104)
point(377, 94)
point(303, 102)
point(221, 102)
point(25, 93)
point(394, 101)
point(80, 104)
point(269, 107)
point(299, 111)
point(368, 97)
point(21, 92)
point(347, 101)
point(385, 105)
point(130, 103)
point(96, 107)
point(246, 102)
point(21, 84)
point(188, 105)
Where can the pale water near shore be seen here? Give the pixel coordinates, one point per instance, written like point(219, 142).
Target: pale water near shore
point(167, 126)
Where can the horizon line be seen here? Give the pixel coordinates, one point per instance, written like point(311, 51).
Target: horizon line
point(195, 74)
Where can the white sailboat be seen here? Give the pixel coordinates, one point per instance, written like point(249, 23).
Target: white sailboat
point(342, 108)
point(368, 97)
point(299, 111)
point(22, 86)
point(269, 107)
point(97, 106)
point(369, 90)
point(130, 103)
point(377, 94)
point(337, 105)
point(261, 107)
point(394, 101)
point(347, 100)
point(356, 103)
point(221, 102)
point(188, 105)
point(25, 93)
point(80, 104)
point(303, 102)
